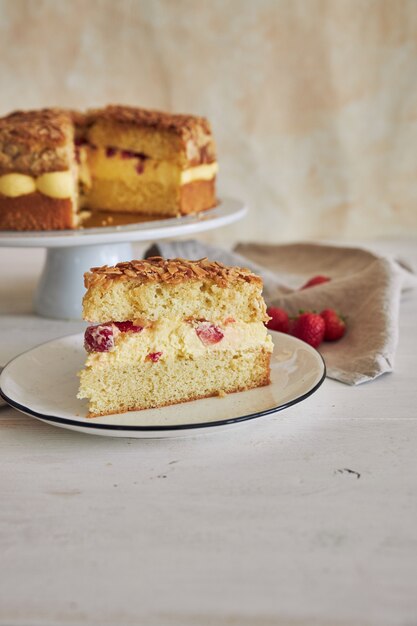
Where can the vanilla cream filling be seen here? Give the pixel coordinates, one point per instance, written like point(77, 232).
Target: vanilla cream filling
point(135, 169)
point(179, 339)
point(99, 165)
point(200, 172)
point(52, 184)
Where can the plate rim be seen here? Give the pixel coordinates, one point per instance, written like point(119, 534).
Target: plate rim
point(174, 427)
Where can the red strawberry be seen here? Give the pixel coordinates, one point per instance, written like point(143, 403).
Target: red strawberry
point(279, 319)
point(99, 338)
point(126, 327)
point(335, 325)
point(310, 328)
point(208, 333)
point(316, 280)
point(154, 356)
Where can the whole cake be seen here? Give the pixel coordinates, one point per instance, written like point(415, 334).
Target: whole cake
point(58, 166)
point(168, 331)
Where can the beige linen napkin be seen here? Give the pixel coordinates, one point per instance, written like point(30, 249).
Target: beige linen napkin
point(364, 287)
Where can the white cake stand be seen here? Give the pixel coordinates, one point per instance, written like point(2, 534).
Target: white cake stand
point(70, 253)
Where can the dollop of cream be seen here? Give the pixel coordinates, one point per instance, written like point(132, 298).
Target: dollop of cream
point(56, 184)
point(200, 172)
point(14, 185)
point(52, 184)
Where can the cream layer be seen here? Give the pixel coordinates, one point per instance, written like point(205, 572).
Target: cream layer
point(181, 339)
point(113, 164)
point(96, 163)
point(52, 184)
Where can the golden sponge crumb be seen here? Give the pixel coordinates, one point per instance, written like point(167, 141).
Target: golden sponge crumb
point(127, 300)
point(121, 388)
point(145, 197)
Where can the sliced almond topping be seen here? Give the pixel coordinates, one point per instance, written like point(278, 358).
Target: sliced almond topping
point(172, 271)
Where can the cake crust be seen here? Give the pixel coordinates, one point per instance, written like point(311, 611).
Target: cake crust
point(170, 271)
point(36, 211)
point(197, 196)
point(181, 124)
point(36, 142)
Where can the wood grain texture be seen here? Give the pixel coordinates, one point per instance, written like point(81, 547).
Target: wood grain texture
point(304, 518)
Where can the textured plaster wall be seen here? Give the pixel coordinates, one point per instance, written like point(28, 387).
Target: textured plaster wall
point(313, 102)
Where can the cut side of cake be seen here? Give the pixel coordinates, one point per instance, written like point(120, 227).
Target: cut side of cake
point(57, 166)
point(150, 162)
point(38, 171)
point(168, 331)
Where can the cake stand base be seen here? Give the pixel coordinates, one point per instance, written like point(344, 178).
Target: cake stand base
point(61, 287)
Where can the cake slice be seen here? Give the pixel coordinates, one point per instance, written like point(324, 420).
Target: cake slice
point(150, 162)
point(168, 331)
point(38, 171)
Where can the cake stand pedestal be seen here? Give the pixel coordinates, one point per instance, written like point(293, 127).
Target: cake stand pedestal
point(59, 290)
point(70, 253)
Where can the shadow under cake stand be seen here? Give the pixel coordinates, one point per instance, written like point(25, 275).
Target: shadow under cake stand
point(70, 253)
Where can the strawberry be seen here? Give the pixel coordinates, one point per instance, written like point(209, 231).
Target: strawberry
point(208, 333)
point(279, 319)
point(309, 327)
point(99, 338)
point(316, 280)
point(126, 327)
point(335, 325)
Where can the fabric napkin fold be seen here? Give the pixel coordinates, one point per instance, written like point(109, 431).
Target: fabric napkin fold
point(364, 287)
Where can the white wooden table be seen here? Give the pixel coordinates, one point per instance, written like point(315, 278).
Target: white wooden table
point(261, 525)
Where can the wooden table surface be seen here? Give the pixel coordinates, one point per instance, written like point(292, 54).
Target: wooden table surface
point(308, 517)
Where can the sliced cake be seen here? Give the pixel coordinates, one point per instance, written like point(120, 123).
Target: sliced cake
point(150, 162)
point(168, 331)
point(38, 171)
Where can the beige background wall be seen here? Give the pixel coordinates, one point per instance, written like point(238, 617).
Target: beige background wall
point(313, 102)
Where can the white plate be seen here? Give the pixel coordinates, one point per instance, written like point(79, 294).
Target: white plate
point(227, 211)
point(43, 383)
